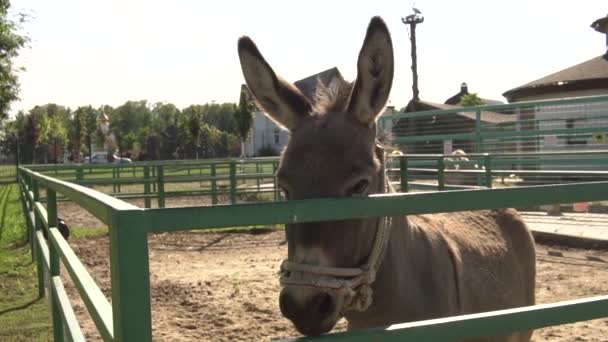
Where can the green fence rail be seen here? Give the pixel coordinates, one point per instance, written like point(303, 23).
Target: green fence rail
point(225, 178)
point(128, 317)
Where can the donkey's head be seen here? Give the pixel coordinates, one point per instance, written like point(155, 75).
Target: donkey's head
point(331, 153)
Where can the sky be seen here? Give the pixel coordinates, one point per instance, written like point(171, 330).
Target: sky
point(184, 52)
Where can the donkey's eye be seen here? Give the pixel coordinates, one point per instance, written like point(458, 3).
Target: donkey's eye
point(359, 189)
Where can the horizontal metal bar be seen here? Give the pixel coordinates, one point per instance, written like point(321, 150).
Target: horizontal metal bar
point(501, 107)
point(486, 324)
point(446, 136)
point(184, 218)
point(500, 155)
point(538, 132)
point(95, 202)
point(67, 313)
point(98, 306)
point(139, 165)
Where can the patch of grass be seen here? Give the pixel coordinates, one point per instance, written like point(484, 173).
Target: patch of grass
point(245, 229)
point(84, 232)
point(23, 316)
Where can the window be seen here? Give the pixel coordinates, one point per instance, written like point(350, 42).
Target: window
point(572, 138)
point(276, 136)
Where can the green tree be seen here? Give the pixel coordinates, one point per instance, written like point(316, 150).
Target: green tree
point(193, 124)
point(130, 124)
point(244, 118)
point(221, 116)
point(50, 129)
point(10, 44)
point(83, 129)
point(164, 139)
point(471, 99)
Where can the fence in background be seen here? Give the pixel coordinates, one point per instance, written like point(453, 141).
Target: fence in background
point(540, 126)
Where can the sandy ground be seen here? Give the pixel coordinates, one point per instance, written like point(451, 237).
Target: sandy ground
point(223, 286)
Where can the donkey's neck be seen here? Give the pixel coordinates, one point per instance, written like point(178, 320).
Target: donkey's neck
point(391, 285)
point(406, 287)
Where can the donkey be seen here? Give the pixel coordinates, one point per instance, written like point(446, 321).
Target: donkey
point(378, 271)
point(460, 178)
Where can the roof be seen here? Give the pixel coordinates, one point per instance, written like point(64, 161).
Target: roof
point(592, 74)
point(464, 90)
point(308, 85)
point(601, 25)
point(486, 116)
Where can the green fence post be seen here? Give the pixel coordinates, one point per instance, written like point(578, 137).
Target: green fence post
point(37, 224)
point(114, 180)
point(403, 173)
point(275, 184)
point(213, 185)
point(488, 165)
point(440, 174)
point(257, 171)
point(232, 182)
point(154, 177)
point(36, 252)
point(478, 141)
point(129, 268)
point(147, 200)
point(161, 186)
point(118, 169)
point(51, 212)
point(79, 174)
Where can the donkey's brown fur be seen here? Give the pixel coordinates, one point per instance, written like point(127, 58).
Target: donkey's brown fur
point(435, 265)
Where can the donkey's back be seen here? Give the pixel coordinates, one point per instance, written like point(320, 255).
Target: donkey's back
point(494, 260)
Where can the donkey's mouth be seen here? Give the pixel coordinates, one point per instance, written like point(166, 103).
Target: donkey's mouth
point(308, 327)
point(312, 312)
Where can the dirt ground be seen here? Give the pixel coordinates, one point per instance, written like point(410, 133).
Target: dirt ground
point(224, 287)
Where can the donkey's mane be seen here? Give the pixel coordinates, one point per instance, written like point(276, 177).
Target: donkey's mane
point(333, 97)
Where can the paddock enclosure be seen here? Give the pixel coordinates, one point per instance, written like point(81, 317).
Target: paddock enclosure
point(158, 275)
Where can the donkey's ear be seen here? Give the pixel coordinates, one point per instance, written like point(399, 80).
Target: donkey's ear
point(375, 69)
point(281, 100)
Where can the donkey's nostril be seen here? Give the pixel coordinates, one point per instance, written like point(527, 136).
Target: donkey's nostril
point(324, 303)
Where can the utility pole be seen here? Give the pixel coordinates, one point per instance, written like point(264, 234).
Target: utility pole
point(412, 20)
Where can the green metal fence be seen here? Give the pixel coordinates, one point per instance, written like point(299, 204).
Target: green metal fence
point(538, 126)
point(128, 317)
point(224, 180)
point(438, 172)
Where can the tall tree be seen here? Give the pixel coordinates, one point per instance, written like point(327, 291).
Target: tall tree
point(10, 44)
point(130, 123)
point(244, 118)
point(164, 130)
point(193, 122)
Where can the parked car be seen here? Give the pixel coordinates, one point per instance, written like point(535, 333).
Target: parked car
point(97, 158)
point(102, 158)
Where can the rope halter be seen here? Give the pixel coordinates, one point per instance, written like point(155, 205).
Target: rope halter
point(353, 282)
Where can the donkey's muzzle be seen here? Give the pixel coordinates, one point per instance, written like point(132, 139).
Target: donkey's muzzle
point(315, 315)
